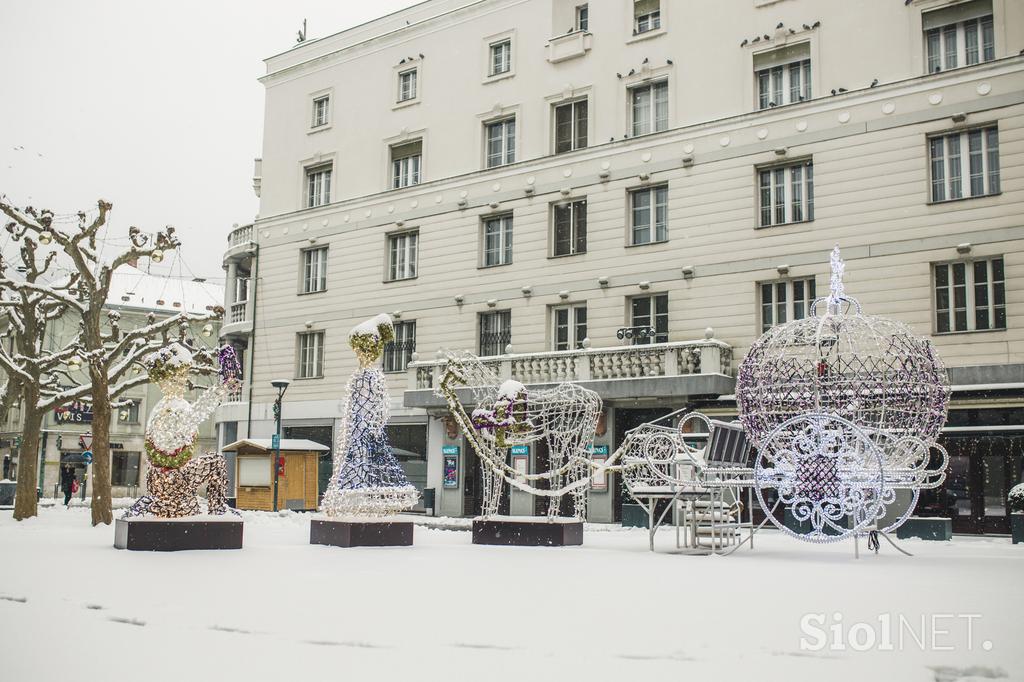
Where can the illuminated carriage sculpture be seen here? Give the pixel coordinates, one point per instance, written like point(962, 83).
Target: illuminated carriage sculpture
point(843, 410)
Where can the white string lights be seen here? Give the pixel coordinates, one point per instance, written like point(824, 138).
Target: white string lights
point(368, 481)
point(507, 414)
point(844, 409)
point(175, 475)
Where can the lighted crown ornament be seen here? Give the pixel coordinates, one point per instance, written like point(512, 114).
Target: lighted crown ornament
point(844, 410)
point(507, 414)
point(368, 480)
point(175, 474)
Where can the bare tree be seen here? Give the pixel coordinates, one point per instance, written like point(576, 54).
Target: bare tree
point(107, 352)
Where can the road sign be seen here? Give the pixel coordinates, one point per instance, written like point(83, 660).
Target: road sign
point(87, 456)
point(275, 441)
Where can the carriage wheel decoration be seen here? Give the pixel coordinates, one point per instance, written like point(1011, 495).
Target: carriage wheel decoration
point(826, 471)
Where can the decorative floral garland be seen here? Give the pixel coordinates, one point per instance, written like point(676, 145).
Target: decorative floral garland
point(508, 416)
point(230, 368)
point(169, 460)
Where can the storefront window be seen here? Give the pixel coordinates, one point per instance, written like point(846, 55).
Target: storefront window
point(409, 443)
point(124, 468)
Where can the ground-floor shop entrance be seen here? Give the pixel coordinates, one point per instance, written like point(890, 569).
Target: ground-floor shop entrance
point(983, 466)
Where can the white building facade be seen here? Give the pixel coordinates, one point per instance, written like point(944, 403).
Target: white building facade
point(527, 178)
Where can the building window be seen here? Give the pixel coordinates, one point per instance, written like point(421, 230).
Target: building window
point(646, 16)
point(501, 142)
point(960, 35)
point(311, 355)
point(124, 468)
point(783, 76)
point(402, 255)
point(501, 57)
point(650, 311)
point(785, 301)
point(970, 296)
point(570, 126)
point(397, 353)
point(648, 215)
point(570, 228)
point(129, 414)
point(406, 160)
point(649, 108)
point(569, 326)
point(583, 18)
point(321, 110)
point(786, 194)
point(314, 270)
point(495, 332)
point(241, 289)
point(497, 240)
point(964, 164)
point(318, 186)
point(407, 85)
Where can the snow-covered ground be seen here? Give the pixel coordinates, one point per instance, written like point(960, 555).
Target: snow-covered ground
point(73, 607)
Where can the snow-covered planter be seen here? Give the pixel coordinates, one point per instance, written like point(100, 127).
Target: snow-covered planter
point(1016, 500)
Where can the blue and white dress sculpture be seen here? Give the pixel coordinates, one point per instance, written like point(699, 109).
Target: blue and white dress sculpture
point(368, 481)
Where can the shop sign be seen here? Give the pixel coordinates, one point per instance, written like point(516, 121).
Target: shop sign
point(599, 450)
point(73, 413)
point(520, 450)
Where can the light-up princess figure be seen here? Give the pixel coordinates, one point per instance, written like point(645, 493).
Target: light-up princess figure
point(175, 474)
point(368, 481)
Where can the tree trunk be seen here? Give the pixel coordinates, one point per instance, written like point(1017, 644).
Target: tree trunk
point(26, 503)
point(101, 509)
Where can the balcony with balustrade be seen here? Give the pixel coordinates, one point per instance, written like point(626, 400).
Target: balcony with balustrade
point(235, 407)
point(676, 370)
point(237, 320)
point(241, 244)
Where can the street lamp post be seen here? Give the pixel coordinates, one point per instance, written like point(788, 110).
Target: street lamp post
point(281, 385)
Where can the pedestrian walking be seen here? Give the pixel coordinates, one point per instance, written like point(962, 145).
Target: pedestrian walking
point(68, 483)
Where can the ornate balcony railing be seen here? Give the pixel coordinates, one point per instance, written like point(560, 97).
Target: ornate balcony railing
point(706, 356)
point(237, 312)
point(238, 395)
point(240, 235)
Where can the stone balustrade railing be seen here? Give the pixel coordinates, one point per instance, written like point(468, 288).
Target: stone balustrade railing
point(706, 356)
point(237, 312)
point(240, 235)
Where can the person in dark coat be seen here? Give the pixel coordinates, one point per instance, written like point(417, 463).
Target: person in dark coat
point(67, 482)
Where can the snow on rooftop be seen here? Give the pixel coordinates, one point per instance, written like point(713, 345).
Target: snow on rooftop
point(131, 287)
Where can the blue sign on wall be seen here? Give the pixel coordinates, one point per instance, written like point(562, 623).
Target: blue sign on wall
point(599, 449)
point(520, 449)
point(450, 470)
point(450, 449)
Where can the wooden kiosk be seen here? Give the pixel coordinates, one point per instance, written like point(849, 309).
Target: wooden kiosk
point(298, 484)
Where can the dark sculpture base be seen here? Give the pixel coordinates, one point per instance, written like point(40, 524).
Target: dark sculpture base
point(527, 533)
point(360, 533)
point(172, 535)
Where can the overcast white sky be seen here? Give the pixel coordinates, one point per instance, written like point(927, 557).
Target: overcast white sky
point(153, 106)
